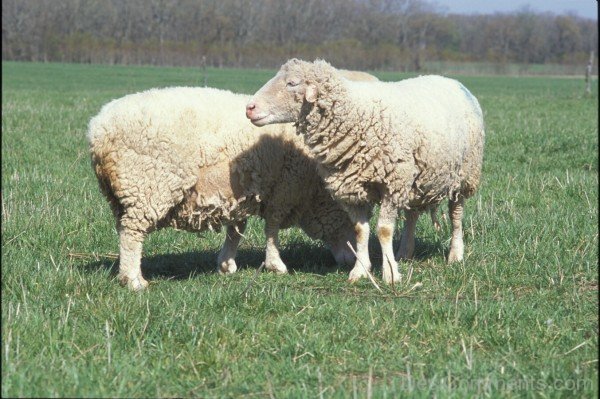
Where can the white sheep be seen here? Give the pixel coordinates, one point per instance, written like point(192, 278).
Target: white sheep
point(407, 145)
point(188, 158)
point(358, 76)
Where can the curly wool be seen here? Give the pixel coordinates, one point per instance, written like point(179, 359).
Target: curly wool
point(406, 145)
point(188, 158)
point(357, 76)
point(379, 136)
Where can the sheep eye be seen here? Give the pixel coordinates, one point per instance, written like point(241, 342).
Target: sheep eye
point(292, 83)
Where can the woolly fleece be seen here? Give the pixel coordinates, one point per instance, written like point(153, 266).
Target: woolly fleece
point(188, 158)
point(407, 145)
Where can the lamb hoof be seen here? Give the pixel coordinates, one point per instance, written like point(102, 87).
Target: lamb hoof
point(276, 266)
point(227, 267)
point(136, 284)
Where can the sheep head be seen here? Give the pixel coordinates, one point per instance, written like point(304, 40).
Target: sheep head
point(281, 99)
point(342, 253)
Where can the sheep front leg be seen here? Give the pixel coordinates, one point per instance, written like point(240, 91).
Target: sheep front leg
point(407, 240)
point(226, 259)
point(385, 232)
point(456, 242)
point(130, 259)
point(362, 266)
point(273, 261)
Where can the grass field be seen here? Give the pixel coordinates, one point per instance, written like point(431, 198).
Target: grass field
point(517, 318)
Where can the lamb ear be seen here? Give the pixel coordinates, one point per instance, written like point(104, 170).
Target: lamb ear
point(311, 93)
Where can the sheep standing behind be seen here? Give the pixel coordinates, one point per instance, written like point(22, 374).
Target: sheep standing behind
point(357, 76)
point(188, 158)
point(407, 145)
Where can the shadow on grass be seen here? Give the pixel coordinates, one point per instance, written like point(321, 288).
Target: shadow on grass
point(424, 250)
point(298, 256)
point(429, 249)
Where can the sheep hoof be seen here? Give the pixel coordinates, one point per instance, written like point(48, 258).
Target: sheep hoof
point(276, 266)
point(454, 256)
point(357, 273)
point(405, 255)
point(389, 271)
point(227, 267)
point(136, 284)
point(393, 278)
point(456, 251)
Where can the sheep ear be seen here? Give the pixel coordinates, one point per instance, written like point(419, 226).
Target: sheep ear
point(311, 93)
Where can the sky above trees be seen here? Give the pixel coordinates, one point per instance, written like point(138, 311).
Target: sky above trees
point(582, 8)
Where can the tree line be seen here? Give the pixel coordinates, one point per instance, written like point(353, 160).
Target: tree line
point(359, 34)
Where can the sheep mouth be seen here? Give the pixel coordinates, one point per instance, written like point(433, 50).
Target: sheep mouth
point(259, 121)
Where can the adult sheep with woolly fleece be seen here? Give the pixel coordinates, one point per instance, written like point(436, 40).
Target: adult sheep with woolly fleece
point(406, 145)
point(188, 158)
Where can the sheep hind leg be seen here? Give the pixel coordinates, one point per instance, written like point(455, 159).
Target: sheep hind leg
point(456, 242)
point(362, 266)
point(407, 240)
point(434, 219)
point(226, 259)
point(385, 232)
point(130, 258)
point(273, 260)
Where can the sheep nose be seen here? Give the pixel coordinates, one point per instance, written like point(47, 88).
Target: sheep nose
point(249, 108)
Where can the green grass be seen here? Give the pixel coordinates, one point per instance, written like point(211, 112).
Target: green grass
point(499, 68)
point(517, 318)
